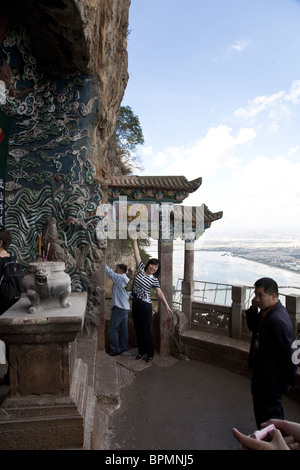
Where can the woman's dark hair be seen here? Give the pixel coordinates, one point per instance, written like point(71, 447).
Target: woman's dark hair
point(269, 285)
point(156, 262)
point(5, 236)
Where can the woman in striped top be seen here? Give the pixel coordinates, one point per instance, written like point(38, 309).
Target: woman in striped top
point(145, 280)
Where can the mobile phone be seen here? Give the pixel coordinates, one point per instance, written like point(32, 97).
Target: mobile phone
point(263, 433)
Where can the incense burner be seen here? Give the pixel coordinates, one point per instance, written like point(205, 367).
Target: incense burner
point(47, 285)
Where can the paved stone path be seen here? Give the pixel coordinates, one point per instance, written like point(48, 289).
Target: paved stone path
point(182, 405)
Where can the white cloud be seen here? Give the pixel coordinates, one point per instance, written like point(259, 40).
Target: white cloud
point(254, 193)
point(218, 149)
point(264, 196)
point(294, 94)
point(260, 104)
point(240, 45)
point(160, 159)
point(294, 150)
point(278, 107)
point(147, 151)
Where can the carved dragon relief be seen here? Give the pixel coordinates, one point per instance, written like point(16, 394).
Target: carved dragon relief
point(51, 185)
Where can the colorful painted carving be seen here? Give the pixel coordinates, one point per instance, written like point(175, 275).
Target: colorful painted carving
point(48, 174)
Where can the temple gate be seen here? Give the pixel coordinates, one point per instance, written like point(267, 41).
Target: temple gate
point(150, 206)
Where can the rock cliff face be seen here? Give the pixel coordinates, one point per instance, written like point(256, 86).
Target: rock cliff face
point(83, 36)
point(63, 73)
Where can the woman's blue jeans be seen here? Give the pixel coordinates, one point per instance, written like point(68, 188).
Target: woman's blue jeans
point(118, 330)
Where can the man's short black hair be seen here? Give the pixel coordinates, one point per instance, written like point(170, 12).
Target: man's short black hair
point(269, 285)
point(123, 267)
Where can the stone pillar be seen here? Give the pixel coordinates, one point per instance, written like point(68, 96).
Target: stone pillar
point(101, 299)
point(165, 255)
point(44, 409)
point(292, 304)
point(238, 304)
point(188, 281)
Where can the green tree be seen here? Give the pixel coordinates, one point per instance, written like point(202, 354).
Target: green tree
point(128, 135)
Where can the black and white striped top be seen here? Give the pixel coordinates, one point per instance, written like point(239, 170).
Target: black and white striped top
point(143, 284)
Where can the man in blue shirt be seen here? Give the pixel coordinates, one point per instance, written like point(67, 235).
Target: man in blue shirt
point(119, 310)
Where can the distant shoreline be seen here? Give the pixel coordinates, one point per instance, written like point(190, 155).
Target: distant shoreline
point(239, 255)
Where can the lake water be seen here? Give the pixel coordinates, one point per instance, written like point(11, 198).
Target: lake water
point(222, 267)
point(219, 266)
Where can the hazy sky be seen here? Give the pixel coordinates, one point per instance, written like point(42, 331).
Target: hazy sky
point(216, 87)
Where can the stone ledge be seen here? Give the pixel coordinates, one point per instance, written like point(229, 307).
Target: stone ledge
point(60, 431)
point(215, 349)
point(18, 314)
point(223, 351)
point(197, 335)
point(106, 380)
point(17, 326)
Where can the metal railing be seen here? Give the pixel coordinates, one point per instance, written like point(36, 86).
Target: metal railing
point(221, 308)
point(210, 292)
point(219, 293)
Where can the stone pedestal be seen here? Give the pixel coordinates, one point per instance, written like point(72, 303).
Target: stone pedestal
point(44, 409)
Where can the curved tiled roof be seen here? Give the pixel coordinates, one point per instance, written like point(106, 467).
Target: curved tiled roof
point(211, 216)
point(175, 183)
point(191, 211)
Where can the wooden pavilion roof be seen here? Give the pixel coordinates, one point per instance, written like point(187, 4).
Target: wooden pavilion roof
point(153, 189)
point(162, 188)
